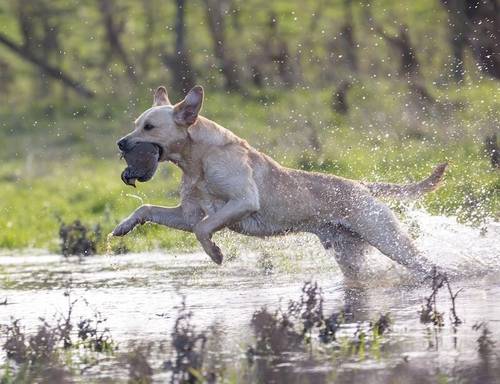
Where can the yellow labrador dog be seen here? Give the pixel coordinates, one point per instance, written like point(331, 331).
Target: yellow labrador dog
point(226, 183)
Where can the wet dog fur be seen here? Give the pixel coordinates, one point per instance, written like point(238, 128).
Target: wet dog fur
point(226, 183)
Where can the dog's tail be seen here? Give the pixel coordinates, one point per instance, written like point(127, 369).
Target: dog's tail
point(408, 191)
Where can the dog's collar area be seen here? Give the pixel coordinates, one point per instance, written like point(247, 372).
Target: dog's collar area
point(177, 154)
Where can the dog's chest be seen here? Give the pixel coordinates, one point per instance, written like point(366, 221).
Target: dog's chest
point(196, 189)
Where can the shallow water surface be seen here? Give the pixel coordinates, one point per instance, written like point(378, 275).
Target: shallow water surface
point(139, 295)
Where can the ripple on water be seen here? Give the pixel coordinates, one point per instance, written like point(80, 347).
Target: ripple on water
point(139, 293)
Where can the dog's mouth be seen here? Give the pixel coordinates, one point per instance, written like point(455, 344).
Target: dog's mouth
point(142, 162)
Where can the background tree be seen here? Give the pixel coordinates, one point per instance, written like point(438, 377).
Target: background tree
point(183, 77)
point(110, 47)
point(113, 19)
point(477, 23)
point(217, 11)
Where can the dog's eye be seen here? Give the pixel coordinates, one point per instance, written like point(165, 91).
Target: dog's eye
point(148, 126)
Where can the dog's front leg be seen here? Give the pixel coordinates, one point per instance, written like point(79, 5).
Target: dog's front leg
point(171, 217)
point(233, 210)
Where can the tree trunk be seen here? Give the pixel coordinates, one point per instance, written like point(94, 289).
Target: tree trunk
point(476, 23)
point(347, 32)
point(216, 24)
point(150, 20)
point(40, 33)
point(113, 31)
point(279, 54)
point(492, 150)
point(409, 66)
point(339, 99)
point(180, 62)
point(485, 35)
point(6, 79)
point(45, 67)
point(457, 21)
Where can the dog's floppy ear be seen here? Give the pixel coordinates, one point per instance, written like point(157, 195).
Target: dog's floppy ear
point(161, 97)
point(186, 112)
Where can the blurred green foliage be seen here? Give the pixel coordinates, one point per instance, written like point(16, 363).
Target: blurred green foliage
point(58, 152)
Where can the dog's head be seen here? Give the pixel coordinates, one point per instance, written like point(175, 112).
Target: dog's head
point(165, 127)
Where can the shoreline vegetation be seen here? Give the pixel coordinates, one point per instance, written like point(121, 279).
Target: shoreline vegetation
point(64, 168)
point(65, 349)
point(364, 90)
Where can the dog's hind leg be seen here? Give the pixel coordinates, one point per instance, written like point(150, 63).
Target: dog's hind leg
point(376, 224)
point(349, 248)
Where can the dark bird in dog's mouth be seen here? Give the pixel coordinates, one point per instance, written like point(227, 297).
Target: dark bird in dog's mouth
point(142, 162)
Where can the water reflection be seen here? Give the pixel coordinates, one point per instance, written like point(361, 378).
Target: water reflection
point(355, 304)
point(139, 295)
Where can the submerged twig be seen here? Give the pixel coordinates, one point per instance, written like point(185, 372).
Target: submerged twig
point(453, 297)
point(429, 312)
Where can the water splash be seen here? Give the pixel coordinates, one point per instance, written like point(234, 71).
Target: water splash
point(110, 254)
point(458, 247)
point(109, 250)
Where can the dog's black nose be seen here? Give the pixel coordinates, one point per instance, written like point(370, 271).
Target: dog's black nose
point(122, 144)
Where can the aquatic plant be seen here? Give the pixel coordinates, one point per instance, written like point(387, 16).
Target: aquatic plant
point(429, 312)
point(484, 342)
point(275, 333)
point(77, 239)
point(186, 366)
point(42, 354)
point(382, 325)
point(290, 330)
point(94, 338)
point(280, 331)
point(136, 359)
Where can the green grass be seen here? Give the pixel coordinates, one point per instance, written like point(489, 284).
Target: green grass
point(89, 190)
point(64, 164)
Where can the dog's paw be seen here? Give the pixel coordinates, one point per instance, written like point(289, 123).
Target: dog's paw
point(125, 227)
point(213, 251)
point(216, 254)
point(203, 235)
